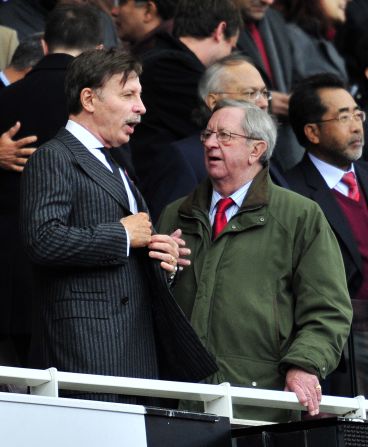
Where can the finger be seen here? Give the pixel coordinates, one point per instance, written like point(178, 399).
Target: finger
point(165, 257)
point(184, 251)
point(302, 397)
point(16, 168)
point(26, 152)
point(177, 233)
point(168, 267)
point(184, 262)
point(13, 130)
point(179, 241)
point(165, 248)
point(26, 141)
point(19, 161)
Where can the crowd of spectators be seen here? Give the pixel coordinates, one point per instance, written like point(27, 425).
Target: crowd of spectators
point(189, 65)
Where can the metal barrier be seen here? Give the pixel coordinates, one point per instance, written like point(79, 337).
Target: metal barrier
point(217, 399)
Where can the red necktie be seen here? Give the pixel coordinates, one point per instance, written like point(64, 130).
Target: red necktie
point(257, 38)
point(350, 181)
point(220, 217)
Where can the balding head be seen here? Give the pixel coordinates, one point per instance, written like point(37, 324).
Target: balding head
point(233, 77)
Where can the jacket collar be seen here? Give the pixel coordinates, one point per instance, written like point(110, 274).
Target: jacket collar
point(321, 193)
point(93, 168)
point(200, 199)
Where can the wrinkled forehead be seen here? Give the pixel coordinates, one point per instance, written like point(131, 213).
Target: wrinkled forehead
point(337, 100)
point(229, 118)
point(243, 76)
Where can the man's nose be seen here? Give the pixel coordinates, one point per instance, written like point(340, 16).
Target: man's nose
point(139, 107)
point(262, 102)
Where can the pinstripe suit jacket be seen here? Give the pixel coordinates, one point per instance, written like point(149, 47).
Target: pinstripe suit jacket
point(97, 310)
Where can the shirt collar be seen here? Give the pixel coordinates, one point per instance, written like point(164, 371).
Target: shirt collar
point(5, 80)
point(331, 174)
point(238, 196)
point(83, 135)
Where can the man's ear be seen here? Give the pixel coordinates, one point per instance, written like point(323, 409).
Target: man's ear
point(87, 98)
point(219, 33)
point(211, 100)
point(259, 148)
point(150, 12)
point(312, 132)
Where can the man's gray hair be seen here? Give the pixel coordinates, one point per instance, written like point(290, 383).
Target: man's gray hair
point(257, 123)
point(212, 81)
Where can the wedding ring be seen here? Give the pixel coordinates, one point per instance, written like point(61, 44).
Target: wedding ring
point(172, 260)
point(318, 387)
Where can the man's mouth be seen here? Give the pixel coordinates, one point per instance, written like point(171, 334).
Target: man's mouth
point(131, 124)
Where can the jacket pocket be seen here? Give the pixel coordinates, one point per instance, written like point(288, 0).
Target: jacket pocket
point(81, 308)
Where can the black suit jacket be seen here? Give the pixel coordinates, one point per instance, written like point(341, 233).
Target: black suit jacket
point(38, 102)
point(98, 310)
point(170, 78)
point(306, 180)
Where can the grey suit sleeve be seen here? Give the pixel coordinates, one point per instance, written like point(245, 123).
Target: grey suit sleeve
point(53, 232)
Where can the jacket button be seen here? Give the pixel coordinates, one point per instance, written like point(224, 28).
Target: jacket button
point(124, 300)
point(254, 383)
point(261, 219)
point(233, 227)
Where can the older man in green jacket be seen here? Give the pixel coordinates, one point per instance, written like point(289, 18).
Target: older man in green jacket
point(266, 288)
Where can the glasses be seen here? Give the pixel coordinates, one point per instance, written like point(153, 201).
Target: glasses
point(347, 117)
point(250, 95)
point(222, 136)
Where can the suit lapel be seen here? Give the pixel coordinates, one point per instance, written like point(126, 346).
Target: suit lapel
point(361, 169)
point(94, 168)
point(322, 194)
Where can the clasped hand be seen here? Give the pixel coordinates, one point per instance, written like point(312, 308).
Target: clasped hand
point(162, 247)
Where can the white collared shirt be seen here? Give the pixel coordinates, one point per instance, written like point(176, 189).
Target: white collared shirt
point(238, 198)
point(5, 80)
point(331, 174)
point(94, 145)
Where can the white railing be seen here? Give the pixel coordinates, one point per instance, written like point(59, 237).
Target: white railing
point(217, 399)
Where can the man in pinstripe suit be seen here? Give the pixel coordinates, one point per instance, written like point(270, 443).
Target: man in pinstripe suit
point(103, 305)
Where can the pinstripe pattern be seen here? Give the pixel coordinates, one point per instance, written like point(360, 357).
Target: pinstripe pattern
point(94, 304)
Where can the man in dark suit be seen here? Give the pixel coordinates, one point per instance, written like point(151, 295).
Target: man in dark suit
point(139, 21)
point(204, 32)
point(25, 57)
point(37, 104)
point(328, 123)
point(103, 304)
point(264, 40)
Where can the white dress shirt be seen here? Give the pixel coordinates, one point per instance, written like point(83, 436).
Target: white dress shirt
point(332, 175)
point(94, 146)
point(238, 198)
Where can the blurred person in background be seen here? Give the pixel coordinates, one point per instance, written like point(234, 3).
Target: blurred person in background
point(311, 29)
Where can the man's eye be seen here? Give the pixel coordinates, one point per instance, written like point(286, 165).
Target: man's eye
point(344, 118)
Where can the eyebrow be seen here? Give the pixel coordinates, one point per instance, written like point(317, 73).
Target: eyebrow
point(347, 109)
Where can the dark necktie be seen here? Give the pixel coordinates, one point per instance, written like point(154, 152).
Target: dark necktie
point(113, 165)
point(116, 172)
point(351, 182)
point(220, 220)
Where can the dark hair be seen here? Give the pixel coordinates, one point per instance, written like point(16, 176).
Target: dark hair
point(27, 53)
point(305, 104)
point(93, 68)
point(199, 18)
point(73, 26)
point(306, 14)
point(166, 8)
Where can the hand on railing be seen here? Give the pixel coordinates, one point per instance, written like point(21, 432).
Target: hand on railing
point(306, 387)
